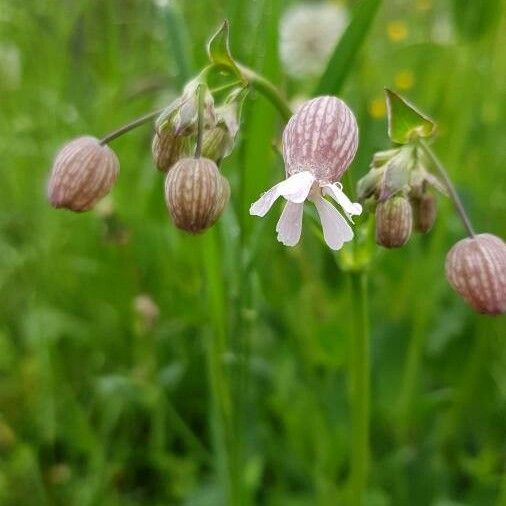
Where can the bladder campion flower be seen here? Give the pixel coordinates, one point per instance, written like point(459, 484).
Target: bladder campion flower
point(476, 269)
point(83, 172)
point(319, 143)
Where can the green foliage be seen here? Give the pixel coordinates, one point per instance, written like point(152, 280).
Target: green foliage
point(101, 404)
point(347, 49)
point(405, 122)
point(218, 50)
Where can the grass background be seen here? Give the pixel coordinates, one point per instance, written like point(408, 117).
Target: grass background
point(100, 407)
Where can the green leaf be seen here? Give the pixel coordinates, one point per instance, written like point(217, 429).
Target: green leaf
point(341, 61)
point(405, 121)
point(218, 50)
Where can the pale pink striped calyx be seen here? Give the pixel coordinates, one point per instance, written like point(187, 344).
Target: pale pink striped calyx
point(83, 172)
point(476, 269)
point(394, 222)
point(168, 148)
point(322, 138)
point(319, 143)
point(196, 194)
point(424, 211)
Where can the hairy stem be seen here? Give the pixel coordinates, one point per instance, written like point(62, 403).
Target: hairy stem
point(449, 185)
point(359, 383)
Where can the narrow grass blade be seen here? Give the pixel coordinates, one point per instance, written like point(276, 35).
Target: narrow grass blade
point(341, 61)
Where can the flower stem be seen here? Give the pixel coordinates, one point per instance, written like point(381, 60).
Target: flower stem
point(129, 126)
point(359, 388)
point(223, 426)
point(449, 185)
point(200, 121)
point(268, 90)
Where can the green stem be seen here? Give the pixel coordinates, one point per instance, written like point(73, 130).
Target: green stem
point(200, 120)
point(411, 371)
point(256, 81)
point(449, 185)
point(359, 383)
point(129, 126)
point(268, 90)
point(223, 426)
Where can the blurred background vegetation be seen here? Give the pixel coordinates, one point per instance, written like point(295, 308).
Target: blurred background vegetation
point(108, 319)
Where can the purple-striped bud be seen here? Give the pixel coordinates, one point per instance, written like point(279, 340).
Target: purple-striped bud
point(196, 194)
point(83, 172)
point(476, 269)
point(167, 148)
point(424, 211)
point(394, 221)
point(322, 138)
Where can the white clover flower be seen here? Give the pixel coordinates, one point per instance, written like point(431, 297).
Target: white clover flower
point(319, 143)
point(308, 34)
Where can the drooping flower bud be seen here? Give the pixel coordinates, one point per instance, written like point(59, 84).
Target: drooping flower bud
point(394, 221)
point(424, 212)
point(168, 148)
point(218, 140)
point(215, 143)
point(196, 194)
point(476, 269)
point(83, 172)
point(325, 151)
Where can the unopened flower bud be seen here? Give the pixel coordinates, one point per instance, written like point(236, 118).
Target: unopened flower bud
point(216, 143)
point(83, 172)
point(394, 221)
point(195, 193)
point(476, 269)
point(424, 212)
point(186, 115)
point(168, 148)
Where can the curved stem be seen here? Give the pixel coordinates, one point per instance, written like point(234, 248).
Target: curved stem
point(449, 185)
point(257, 81)
point(129, 126)
point(360, 390)
point(268, 90)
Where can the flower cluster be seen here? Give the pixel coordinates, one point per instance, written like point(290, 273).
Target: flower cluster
point(193, 135)
point(400, 188)
point(85, 169)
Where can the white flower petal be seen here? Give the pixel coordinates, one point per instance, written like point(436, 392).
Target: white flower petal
point(336, 230)
point(289, 226)
point(295, 189)
point(264, 203)
point(349, 207)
